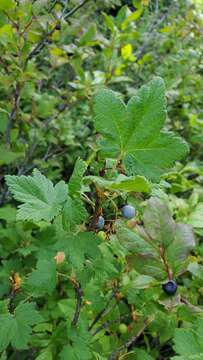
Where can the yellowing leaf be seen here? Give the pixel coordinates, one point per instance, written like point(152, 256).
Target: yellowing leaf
point(6, 33)
point(167, 29)
point(118, 71)
point(7, 4)
point(145, 2)
point(126, 51)
point(57, 51)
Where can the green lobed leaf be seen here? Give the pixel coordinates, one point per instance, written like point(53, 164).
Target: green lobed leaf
point(79, 348)
point(80, 246)
point(41, 200)
point(74, 213)
point(188, 342)
point(17, 328)
point(156, 157)
point(133, 133)
point(43, 279)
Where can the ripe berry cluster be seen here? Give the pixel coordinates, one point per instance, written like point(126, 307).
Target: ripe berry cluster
point(128, 212)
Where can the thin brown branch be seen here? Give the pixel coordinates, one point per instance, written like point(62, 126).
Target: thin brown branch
point(151, 32)
point(47, 35)
point(15, 25)
point(128, 345)
point(76, 8)
point(109, 322)
point(101, 313)
point(165, 263)
point(13, 114)
point(5, 65)
point(78, 295)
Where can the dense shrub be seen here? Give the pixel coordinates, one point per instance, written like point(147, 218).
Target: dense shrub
point(101, 196)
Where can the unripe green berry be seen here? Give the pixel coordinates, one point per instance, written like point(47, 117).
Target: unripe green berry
point(102, 235)
point(123, 328)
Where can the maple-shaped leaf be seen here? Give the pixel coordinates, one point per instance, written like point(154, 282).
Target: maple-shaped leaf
point(79, 247)
point(74, 213)
point(80, 344)
point(188, 342)
point(43, 279)
point(134, 132)
point(16, 329)
point(41, 199)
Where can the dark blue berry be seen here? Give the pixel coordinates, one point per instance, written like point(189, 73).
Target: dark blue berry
point(170, 287)
point(128, 211)
point(100, 223)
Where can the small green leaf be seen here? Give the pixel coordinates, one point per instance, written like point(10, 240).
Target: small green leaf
point(196, 216)
point(143, 282)
point(7, 156)
point(45, 355)
point(89, 35)
point(75, 181)
point(133, 183)
point(8, 213)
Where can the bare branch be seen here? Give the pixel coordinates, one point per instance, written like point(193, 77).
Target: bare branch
point(152, 29)
point(78, 295)
point(13, 114)
point(76, 8)
point(109, 322)
point(101, 313)
point(131, 342)
point(46, 36)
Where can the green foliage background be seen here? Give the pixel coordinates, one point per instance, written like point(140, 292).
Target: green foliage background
point(55, 116)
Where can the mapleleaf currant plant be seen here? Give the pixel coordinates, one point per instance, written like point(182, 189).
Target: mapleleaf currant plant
point(101, 288)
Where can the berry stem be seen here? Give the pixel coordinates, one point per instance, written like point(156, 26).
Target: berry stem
point(165, 263)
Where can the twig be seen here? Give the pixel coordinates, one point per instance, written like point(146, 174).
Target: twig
point(44, 39)
point(76, 8)
point(151, 33)
point(3, 62)
point(52, 6)
point(15, 25)
point(165, 263)
point(101, 313)
point(78, 295)
point(131, 342)
point(13, 114)
point(109, 322)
